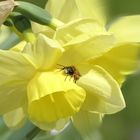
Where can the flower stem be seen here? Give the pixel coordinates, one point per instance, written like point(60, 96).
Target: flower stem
point(21, 26)
point(33, 133)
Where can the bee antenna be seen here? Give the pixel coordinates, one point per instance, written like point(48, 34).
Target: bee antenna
point(60, 65)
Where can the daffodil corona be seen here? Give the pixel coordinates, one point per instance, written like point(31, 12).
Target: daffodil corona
point(34, 86)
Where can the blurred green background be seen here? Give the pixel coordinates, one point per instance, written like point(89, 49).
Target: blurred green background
point(124, 125)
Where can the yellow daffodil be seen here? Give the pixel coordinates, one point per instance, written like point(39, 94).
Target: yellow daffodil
point(36, 83)
point(39, 87)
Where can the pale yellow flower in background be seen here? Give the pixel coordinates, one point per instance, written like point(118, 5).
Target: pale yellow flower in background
point(67, 11)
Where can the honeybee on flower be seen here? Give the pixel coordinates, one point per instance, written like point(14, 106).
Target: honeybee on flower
point(71, 71)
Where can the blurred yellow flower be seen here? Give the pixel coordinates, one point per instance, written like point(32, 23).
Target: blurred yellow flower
point(32, 85)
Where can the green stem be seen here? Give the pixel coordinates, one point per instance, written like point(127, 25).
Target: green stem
point(22, 27)
point(33, 133)
point(29, 36)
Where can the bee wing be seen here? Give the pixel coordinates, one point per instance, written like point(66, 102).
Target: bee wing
point(6, 8)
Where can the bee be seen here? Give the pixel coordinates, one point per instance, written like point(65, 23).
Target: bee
point(71, 71)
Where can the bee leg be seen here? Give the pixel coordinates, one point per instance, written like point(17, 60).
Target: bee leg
point(70, 78)
point(74, 78)
point(66, 77)
point(60, 69)
point(61, 65)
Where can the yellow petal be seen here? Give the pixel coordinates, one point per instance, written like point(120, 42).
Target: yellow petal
point(12, 96)
point(45, 52)
point(90, 49)
point(127, 29)
point(92, 8)
point(51, 97)
point(63, 10)
point(19, 47)
point(86, 123)
point(15, 71)
point(103, 92)
point(78, 30)
point(85, 39)
point(15, 118)
point(120, 61)
point(38, 28)
point(57, 125)
point(14, 64)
